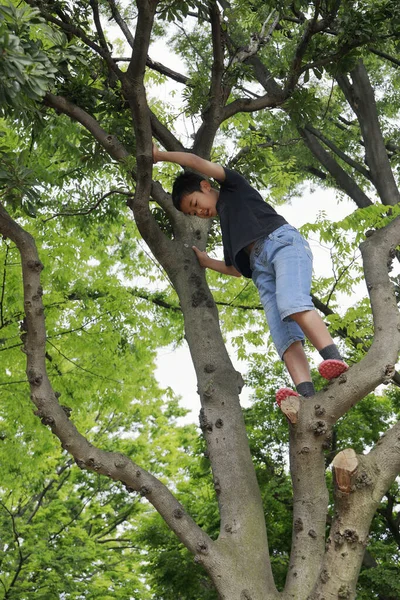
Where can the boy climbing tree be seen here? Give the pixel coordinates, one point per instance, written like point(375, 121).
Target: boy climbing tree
point(259, 244)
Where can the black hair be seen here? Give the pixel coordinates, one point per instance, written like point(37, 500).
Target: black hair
point(186, 183)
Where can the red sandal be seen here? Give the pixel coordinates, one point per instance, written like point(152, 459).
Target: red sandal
point(332, 368)
point(283, 393)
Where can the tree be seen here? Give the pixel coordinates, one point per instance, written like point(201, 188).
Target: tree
point(314, 65)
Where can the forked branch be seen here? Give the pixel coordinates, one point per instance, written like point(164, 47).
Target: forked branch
point(111, 464)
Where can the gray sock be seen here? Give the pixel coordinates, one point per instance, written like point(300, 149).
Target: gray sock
point(306, 389)
point(330, 352)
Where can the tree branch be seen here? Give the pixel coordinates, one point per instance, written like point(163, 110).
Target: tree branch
point(361, 98)
point(384, 55)
point(116, 15)
point(347, 159)
point(218, 92)
point(257, 40)
point(92, 208)
point(295, 70)
point(378, 364)
point(109, 142)
point(343, 180)
point(68, 27)
point(114, 465)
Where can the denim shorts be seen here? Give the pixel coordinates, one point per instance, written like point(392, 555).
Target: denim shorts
point(281, 266)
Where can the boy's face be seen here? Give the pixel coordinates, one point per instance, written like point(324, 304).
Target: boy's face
point(201, 204)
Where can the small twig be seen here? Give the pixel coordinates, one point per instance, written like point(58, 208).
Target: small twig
point(82, 368)
point(3, 287)
point(91, 209)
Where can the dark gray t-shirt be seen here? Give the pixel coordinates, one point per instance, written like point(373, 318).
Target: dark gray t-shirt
point(244, 217)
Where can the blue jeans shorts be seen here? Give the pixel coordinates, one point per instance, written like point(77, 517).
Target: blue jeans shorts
point(281, 266)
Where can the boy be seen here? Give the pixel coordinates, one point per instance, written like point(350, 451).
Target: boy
point(259, 244)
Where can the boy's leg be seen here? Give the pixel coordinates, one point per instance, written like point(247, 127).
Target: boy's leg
point(316, 331)
point(297, 364)
point(314, 328)
point(287, 335)
point(292, 261)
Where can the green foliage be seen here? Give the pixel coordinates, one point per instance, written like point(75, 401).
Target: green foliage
point(64, 532)
point(69, 534)
point(25, 69)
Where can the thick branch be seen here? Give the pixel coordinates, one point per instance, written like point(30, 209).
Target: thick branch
point(112, 464)
point(385, 458)
point(109, 142)
point(135, 94)
point(378, 364)
point(360, 96)
point(178, 77)
point(218, 92)
point(160, 68)
point(164, 135)
point(264, 76)
point(116, 15)
point(257, 40)
point(354, 509)
point(347, 159)
point(311, 28)
point(343, 180)
point(247, 105)
point(386, 56)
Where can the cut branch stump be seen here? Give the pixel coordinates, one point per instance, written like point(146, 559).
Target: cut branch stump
point(345, 466)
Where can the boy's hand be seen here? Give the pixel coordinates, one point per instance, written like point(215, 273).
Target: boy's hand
point(219, 266)
point(202, 257)
point(155, 154)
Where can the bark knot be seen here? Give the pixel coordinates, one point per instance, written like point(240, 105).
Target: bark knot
point(363, 480)
point(298, 525)
point(35, 266)
point(217, 486)
point(121, 462)
point(205, 424)
point(81, 463)
point(199, 295)
point(388, 373)
point(47, 420)
point(349, 536)
point(39, 293)
point(312, 534)
point(67, 410)
point(324, 576)
point(344, 592)
point(34, 378)
point(92, 464)
point(319, 427)
point(202, 547)
point(240, 381)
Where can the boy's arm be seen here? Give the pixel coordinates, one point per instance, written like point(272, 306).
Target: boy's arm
point(214, 264)
point(186, 159)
